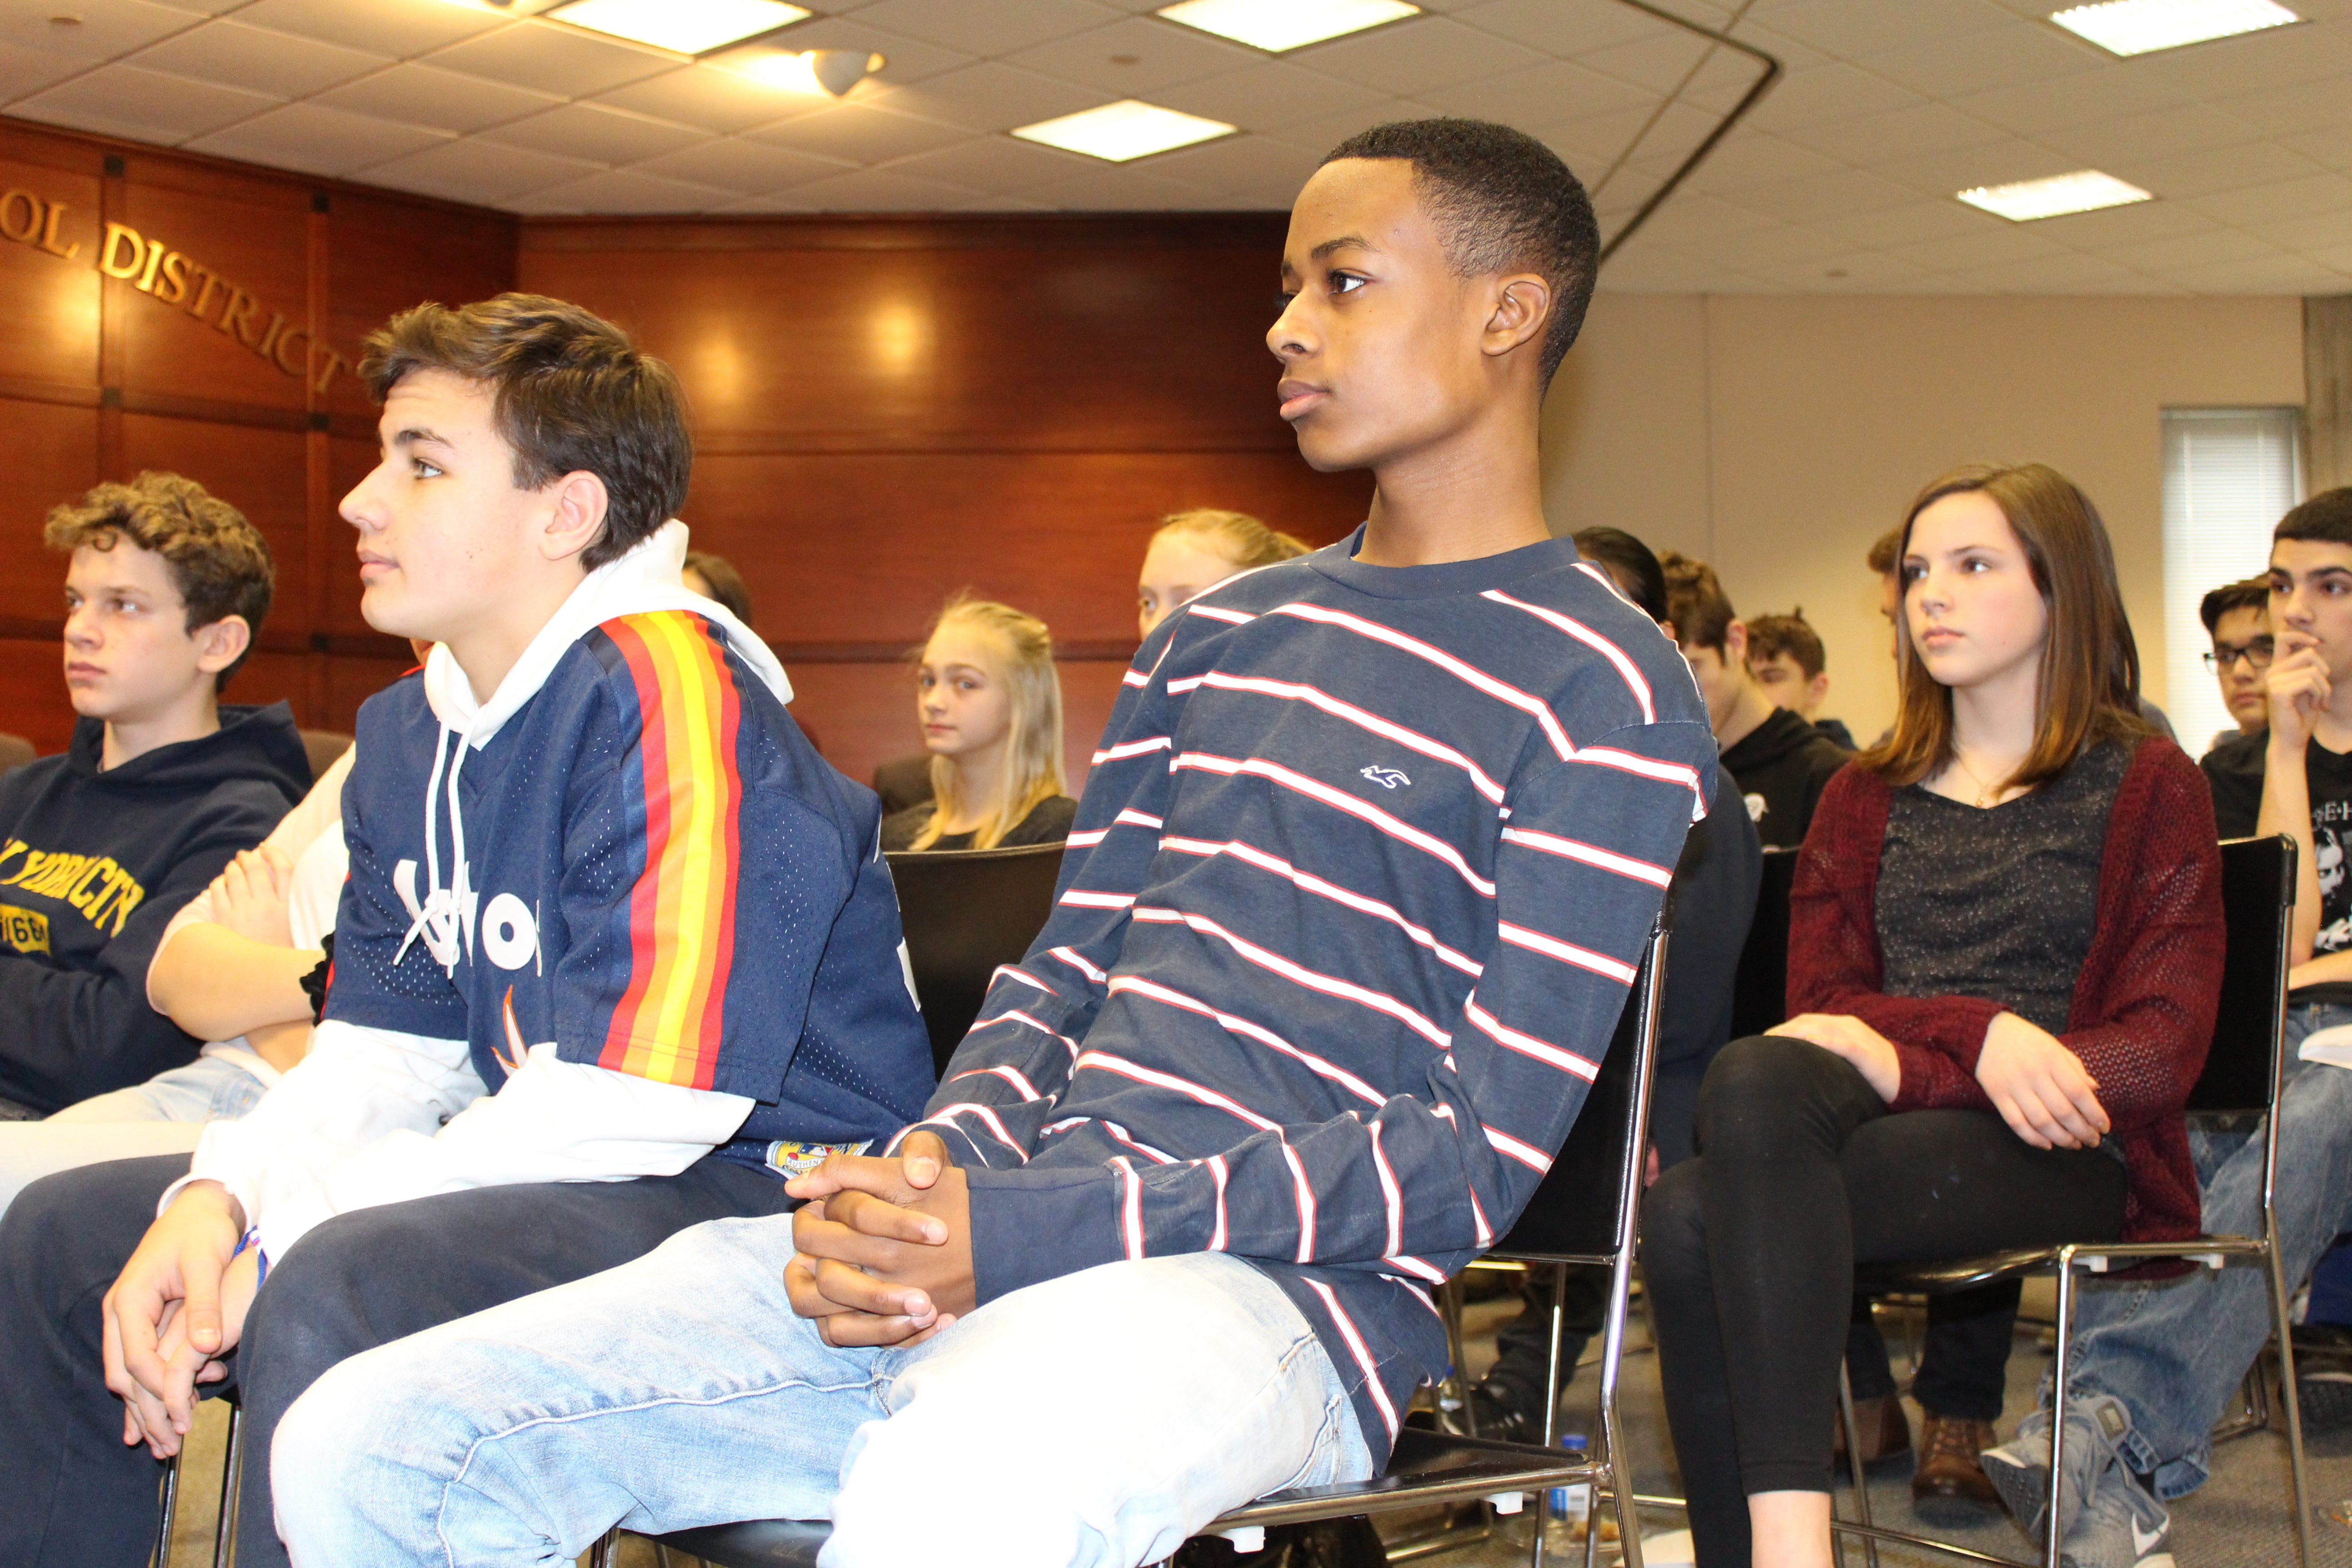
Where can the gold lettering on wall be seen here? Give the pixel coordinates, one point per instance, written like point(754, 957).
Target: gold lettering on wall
point(155, 270)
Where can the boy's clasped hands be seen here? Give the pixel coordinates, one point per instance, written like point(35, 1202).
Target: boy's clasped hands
point(883, 1245)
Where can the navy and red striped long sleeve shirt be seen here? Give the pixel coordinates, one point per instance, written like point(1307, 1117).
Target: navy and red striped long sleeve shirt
point(1359, 881)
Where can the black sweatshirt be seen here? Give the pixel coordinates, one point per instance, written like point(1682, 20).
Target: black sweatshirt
point(1781, 767)
point(92, 865)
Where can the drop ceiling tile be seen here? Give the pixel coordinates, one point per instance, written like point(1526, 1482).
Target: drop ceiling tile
point(2069, 272)
point(905, 58)
point(109, 29)
point(2214, 245)
point(1540, 95)
point(1775, 246)
point(735, 164)
point(437, 100)
point(879, 190)
point(1156, 55)
point(995, 165)
point(1560, 27)
point(2263, 275)
point(1328, 130)
point(1127, 190)
point(710, 98)
point(1919, 128)
point(985, 30)
point(624, 191)
point(317, 139)
point(1979, 62)
point(1850, 29)
point(144, 105)
point(2256, 62)
point(2118, 229)
point(1911, 224)
point(2191, 128)
point(230, 54)
point(2202, 174)
point(1866, 272)
point(1989, 248)
point(857, 133)
point(2034, 107)
point(2247, 205)
point(1827, 92)
point(1411, 56)
point(1723, 79)
point(2327, 147)
point(1816, 197)
point(1740, 162)
point(564, 61)
point(1792, 55)
point(474, 171)
point(1270, 96)
point(2307, 234)
point(1660, 64)
point(1254, 164)
point(2306, 106)
point(1693, 219)
point(599, 134)
point(990, 96)
point(1666, 271)
point(397, 27)
point(1607, 136)
point(1960, 168)
point(24, 70)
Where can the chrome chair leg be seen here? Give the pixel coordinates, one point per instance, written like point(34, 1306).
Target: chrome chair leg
point(166, 1509)
point(1449, 1308)
point(2289, 1396)
point(232, 1473)
point(2060, 1369)
point(606, 1552)
point(1854, 1463)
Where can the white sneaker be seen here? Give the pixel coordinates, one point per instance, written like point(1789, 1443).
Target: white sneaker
point(2121, 1526)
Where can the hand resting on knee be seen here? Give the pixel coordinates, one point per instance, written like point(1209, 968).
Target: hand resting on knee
point(883, 1246)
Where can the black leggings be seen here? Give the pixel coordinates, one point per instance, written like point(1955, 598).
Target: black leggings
point(1749, 1252)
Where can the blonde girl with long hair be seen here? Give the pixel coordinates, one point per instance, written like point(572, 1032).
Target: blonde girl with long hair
point(990, 705)
point(1194, 550)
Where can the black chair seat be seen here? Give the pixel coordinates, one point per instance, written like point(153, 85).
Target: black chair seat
point(1426, 1469)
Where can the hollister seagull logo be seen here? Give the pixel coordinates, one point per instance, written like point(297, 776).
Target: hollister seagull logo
point(1387, 778)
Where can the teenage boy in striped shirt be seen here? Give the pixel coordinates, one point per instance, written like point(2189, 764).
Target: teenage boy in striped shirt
point(1362, 873)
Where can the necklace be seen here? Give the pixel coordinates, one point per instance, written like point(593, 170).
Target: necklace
point(1987, 795)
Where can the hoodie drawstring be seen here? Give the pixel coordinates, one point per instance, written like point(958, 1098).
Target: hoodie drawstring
point(441, 917)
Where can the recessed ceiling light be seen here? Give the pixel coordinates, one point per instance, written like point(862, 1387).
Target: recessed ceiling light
point(1119, 131)
point(689, 26)
point(2084, 190)
point(2140, 27)
point(1275, 25)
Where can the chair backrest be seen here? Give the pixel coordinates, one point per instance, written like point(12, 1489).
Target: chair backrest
point(1577, 1208)
point(964, 912)
point(2258, 905)
point(15, 753)
point(1759, 991)
point(323, 747)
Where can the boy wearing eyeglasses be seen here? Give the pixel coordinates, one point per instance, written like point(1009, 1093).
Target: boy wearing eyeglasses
point(2237, 617)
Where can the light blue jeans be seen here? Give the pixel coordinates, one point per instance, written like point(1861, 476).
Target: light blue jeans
point(1098, 1419)
point(2174, 1350)
point(163, 1116)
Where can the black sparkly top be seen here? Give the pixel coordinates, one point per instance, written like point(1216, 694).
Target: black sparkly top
point(2000, 902)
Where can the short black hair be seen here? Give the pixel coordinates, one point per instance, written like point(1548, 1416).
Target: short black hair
point(1769, 637)
point(1502, 200)
point(2326, 517)
point(1630, 565)
point(570, 394)
point(2253, 593)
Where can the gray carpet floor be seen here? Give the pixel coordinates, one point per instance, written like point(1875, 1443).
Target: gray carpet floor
point(2242, 1517)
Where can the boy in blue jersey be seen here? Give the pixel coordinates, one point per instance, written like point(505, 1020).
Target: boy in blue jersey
point(1363, 870)
point(617, 954)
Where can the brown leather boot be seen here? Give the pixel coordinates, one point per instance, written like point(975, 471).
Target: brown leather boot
point(1885, 1429)
point(1949, 1486)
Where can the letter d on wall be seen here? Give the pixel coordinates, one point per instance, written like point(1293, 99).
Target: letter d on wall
point(119, 237)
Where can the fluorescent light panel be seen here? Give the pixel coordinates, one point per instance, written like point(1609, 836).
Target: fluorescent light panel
point(1118, 133)
point(2141, 27)
point(2084, 190)
point(1275, 25)
point(687, 26)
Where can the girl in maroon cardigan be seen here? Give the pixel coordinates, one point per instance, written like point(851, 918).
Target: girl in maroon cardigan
point(2005, 956)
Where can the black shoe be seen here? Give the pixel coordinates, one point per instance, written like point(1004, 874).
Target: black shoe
point(1498, 1413)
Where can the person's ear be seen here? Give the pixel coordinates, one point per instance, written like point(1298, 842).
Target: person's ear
point(1735, 644)
point(1519, 311)
point(1817, 689)
point(578, 502)
point(222, 643)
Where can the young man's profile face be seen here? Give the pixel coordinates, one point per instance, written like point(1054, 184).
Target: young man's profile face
point(443, 528)
point(2311, 595)
point(1379, 343)
point(1720, 674)
point(1784, 682)
point(2237, 634)
point(128, 654)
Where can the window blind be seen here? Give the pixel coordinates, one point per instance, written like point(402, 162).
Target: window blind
point(2229, 474)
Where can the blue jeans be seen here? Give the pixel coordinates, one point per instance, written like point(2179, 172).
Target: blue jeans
point(163, 1116)
point(1096, 1419)
point(2173, 1351)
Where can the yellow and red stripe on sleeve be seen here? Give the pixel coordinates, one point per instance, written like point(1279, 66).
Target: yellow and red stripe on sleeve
point(666, 1026)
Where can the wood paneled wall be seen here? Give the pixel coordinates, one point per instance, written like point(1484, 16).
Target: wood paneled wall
point(160, 310)
point(887, 410)
point(890, 410)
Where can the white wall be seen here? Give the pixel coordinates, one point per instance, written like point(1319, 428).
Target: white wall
point(1778, 436)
